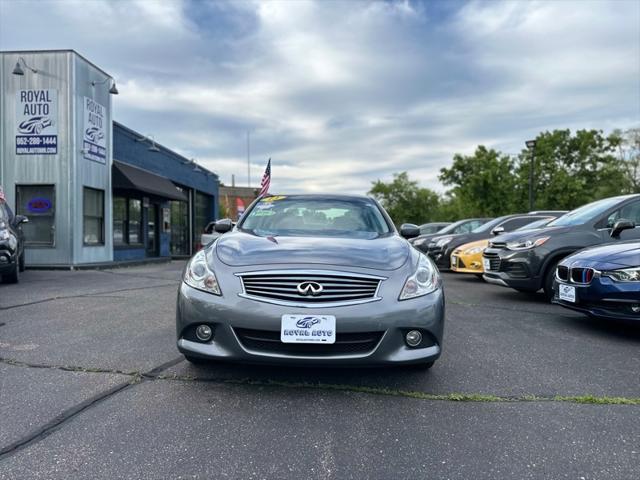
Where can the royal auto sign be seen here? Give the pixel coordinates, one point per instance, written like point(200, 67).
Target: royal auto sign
point(37, 122)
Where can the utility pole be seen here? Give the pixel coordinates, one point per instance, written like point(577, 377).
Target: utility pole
point(531, 145)
point(248, 159)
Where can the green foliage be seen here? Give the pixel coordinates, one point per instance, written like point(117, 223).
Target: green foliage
point(569, 171)
point(482, 184)
point(405, 201)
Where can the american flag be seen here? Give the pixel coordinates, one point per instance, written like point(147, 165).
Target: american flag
point(266, 180)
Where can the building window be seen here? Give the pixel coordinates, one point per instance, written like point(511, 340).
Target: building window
point(135, 221)
point(127, 221)
point(37, 202)
point(93, 216)
point(119, 220)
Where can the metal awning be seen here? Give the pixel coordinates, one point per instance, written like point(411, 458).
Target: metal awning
point(128, 177)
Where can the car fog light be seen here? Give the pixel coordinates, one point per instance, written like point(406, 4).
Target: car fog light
point(413, 338)
point(204, 333)
point(635, 308)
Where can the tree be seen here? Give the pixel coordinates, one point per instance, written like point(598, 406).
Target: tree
point(482, 184)
point(629, 156)
point(571, 170)
point(405, 201)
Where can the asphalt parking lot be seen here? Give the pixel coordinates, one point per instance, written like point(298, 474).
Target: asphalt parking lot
point(92, 386)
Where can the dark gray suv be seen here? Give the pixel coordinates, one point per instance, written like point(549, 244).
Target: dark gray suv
point(526, 261)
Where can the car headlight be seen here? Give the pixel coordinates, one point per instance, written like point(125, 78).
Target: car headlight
point(418, 241)
point(624, 274)
point(527, 243)
point(199, 275)
point(425, 280)
point(443, 241)
point(474, 251)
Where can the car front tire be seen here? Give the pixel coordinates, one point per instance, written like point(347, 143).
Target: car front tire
point(13, 276)
point(549, 276)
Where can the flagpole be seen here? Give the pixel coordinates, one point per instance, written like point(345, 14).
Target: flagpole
point(248, 159)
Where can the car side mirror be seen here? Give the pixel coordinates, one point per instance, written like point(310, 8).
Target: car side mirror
point(21, 219)
point(223, 226)
point(497, 230)
point(409, 230)
point(620, 226)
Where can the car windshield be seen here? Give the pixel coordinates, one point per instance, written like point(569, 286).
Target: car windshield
point(450, 228)
point(582, 215)
point(536, 224)
point(426, 229)
point(315, 216)
point(487, 227)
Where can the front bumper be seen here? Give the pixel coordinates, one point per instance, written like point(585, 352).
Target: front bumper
point(514, 269)
point(440, 258)
point(603, 298)
point(463, 263)
point(389, 318)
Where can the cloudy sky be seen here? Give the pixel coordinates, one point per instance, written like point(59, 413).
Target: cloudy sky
point(343, 93)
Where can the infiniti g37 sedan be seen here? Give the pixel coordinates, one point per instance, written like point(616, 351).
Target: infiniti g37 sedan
point(310, 279)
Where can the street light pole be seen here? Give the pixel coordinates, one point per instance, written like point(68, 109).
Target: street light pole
point(248, 159)
point(531, 145)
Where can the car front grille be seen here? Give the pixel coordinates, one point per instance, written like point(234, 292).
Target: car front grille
point(287, 287)
point(268, 341)
point(577, 275)
point(562, 273)
point(494, 260)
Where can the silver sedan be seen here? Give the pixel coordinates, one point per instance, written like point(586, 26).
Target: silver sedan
point(312, 279)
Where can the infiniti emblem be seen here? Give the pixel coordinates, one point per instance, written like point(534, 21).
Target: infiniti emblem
point(309, 288)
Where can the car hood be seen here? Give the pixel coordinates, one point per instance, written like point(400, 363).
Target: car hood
point(534, 232)
point(237, 249)
point(612, 255)
point(478, 243)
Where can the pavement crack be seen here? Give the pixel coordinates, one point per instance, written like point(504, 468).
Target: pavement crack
point(156, 374)
point(85, 295)
point(69, 414)
point(450, 397)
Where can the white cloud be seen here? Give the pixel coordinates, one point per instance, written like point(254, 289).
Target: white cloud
point(342, 93)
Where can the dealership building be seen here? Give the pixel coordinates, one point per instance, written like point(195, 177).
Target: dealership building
point(94, 190)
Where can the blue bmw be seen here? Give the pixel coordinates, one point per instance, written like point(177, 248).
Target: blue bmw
point(602, 282)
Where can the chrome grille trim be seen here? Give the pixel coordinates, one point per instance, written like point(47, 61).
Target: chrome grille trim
point(279, 287)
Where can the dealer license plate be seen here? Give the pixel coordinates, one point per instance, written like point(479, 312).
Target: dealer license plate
point(567, 293)
point(486, 263)
point(308, 329)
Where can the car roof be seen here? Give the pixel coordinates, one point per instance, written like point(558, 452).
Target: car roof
point(321, 196)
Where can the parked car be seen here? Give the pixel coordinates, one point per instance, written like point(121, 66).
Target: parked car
point(209, 234)
point(433, 227)
point(248, 296)
point(526, 261)
point(11, 244)
point(441, 247)
point(461, 226)
point(602, 282)
point(467, 258)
